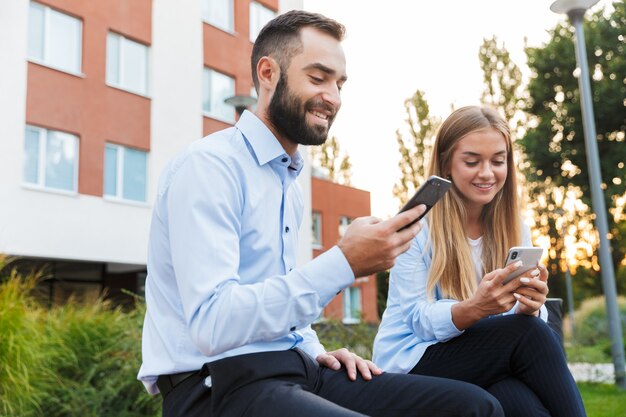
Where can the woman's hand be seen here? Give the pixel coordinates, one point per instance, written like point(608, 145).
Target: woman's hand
point(533, 291)
point(491, 297)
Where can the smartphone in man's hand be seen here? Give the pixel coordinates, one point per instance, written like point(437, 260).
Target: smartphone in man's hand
point(530, 257)
point(428, 194)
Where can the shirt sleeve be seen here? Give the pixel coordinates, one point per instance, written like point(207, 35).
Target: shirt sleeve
point(429, 319)
point(310, 343)
point(204, 204)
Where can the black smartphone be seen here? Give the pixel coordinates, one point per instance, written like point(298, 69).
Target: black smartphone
point(428, 194)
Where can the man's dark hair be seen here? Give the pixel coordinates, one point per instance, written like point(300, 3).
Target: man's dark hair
point(280, 37)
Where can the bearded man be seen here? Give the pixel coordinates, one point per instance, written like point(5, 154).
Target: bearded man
point(227, 329)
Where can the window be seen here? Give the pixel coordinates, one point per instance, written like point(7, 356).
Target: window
point(259, 16)
point(344, 222)
point(125, 172)
point(127, 64)
point(219, 13)
point(54, 38)
point(51, 159)
point(316, 226)
point(217, 87)
point(352, 305)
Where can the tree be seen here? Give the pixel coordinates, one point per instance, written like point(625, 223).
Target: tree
point(334, 163)
point(414, 150)
point(554, 141)
point(503, 82)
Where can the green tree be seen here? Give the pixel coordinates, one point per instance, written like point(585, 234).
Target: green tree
point(415, 147)
point(334, 163)
point(554, 142)
point(503, 81)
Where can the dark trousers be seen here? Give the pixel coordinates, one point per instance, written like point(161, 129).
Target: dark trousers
point(516, 358)
point(290, 383)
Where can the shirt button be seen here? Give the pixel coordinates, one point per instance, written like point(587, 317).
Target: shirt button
point(293, 329)
point(286, 229)
point(285, 159)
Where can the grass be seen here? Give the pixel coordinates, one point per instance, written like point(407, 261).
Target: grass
point(603, 400)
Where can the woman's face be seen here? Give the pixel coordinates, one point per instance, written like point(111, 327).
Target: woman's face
point(479, 167)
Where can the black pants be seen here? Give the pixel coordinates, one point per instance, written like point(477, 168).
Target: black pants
point(516, 358)
point(290, 383)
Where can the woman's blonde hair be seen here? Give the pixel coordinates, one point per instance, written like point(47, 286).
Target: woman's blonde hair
point(452, 266)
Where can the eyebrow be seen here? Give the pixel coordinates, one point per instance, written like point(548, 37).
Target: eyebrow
point(325, 69)
point(469, 153)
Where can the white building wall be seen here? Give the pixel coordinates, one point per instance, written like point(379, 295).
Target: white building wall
point(177, 63)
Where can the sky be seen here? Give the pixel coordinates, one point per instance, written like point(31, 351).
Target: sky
point(395, 47)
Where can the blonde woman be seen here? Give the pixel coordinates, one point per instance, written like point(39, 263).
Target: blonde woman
point(448, 312)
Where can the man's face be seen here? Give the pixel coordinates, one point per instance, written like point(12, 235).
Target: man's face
point(307, 95)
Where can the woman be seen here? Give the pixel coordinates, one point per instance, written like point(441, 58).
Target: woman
point(448, 312)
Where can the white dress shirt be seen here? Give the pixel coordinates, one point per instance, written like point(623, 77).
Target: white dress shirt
point(412, 322)
point(222, 276)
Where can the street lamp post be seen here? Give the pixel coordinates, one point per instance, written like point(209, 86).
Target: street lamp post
point(240, 103)
point(575, 10)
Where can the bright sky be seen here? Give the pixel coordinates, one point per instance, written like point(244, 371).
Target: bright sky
point(394, 47)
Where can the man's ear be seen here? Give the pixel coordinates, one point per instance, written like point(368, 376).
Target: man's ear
point(268, 72)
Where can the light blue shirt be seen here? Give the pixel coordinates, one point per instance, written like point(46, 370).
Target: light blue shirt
point(222, 276)
point(412, 322)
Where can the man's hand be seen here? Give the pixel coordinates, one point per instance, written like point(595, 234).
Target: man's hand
point(371, 245)
point(351, 362)
point(533, 292)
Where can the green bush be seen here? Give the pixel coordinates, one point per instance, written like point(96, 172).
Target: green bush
point(20, 352)
point(74, 360)
point(591, 341)
point(358, 337)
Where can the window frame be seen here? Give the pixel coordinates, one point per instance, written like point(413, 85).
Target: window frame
point(344, 222)
point(347, 305)
point(42, 147)
point(122, 42)
point(205, 113)
point(119, 173)
point(44, 61)
point(262, 8)
point(231, 23)
point(317, 242)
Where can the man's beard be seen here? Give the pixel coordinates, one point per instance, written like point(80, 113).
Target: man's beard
point(287, 114)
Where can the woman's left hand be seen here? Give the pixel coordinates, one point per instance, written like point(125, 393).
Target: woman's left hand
point(533, 292)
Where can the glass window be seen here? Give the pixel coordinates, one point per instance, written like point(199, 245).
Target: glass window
point(316, 226)
point(125, 173)
point(51, 159)
point(219, 13)
point(259, 16)
point(352, 305)
point(217, 87)
point(127, 64)
point(54, 38)
point(344, 222)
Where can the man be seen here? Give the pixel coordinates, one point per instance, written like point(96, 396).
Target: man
point(227, 330)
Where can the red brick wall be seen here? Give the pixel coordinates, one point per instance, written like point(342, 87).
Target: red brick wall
point(334, 201)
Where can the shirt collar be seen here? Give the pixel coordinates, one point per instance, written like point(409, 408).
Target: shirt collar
point(264, 144)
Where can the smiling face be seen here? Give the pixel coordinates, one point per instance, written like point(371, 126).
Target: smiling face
point(307, 96)
point(479, 167)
